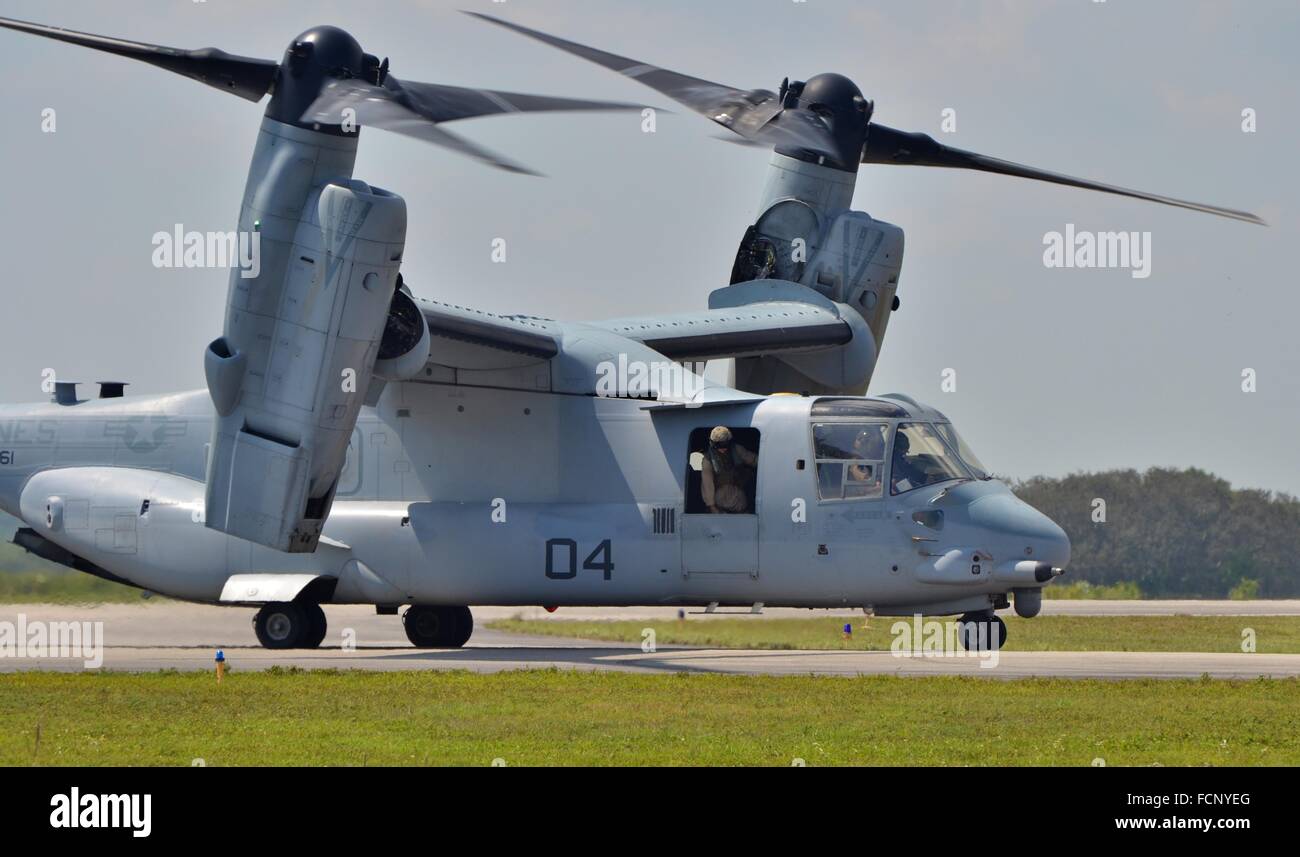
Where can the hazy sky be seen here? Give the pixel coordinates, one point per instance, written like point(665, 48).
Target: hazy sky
point(1057, 370)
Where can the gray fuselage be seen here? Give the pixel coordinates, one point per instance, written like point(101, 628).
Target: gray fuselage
point(466, 495)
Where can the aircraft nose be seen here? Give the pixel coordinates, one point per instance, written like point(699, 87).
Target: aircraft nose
point(1025, 530)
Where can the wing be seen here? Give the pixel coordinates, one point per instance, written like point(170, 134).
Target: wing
point(530, 337)
point(775, 327)
point(754, 319)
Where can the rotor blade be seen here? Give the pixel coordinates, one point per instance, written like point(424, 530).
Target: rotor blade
point(430, 133)
point(753, 114)
point(890, 146)
point(403, 107)
point(385, 107)
point(441, 103)
point(244, 76)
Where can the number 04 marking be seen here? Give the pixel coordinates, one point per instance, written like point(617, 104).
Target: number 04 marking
point(600, 559)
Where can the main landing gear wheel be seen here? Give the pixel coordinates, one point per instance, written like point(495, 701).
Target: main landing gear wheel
point(282, 625)
point(316, 626)
point(982, 632)
point(290, 625)
point(430, 627)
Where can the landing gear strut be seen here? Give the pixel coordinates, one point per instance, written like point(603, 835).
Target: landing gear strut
point(430, 627)
point(290, 625)
point(982, 632)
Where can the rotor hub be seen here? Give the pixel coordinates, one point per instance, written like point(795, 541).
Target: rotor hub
point(311, 61)
point(840, 105)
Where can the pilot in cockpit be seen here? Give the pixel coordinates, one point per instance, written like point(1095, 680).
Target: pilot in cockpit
point(904, 474)
point(727, 474)
point(868, 446)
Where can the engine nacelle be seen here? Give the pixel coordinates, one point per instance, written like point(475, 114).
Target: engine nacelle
point(806, 234)
point(292, 371)
point(404, 348)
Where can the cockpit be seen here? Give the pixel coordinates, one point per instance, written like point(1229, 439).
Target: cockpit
point(864, 448)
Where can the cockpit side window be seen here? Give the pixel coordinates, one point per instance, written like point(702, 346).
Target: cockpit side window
point(850, 459)
point(921, 458)
point(964, 452)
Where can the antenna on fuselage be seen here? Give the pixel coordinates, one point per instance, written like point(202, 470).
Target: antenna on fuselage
point(65, 393)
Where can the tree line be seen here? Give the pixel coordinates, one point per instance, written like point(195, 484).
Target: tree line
point(1175, 533)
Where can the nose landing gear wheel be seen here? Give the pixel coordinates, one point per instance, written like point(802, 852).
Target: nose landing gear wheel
point(429, 627)
point(982, 632)
point(281, 625)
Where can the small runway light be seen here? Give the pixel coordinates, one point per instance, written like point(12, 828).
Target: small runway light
point(848, 630)
point(221, 665)
point(681, 615)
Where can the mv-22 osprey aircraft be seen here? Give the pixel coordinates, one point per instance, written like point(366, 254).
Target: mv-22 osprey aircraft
point(359, 445)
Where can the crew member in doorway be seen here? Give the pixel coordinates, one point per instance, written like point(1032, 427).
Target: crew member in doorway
point(727, 475)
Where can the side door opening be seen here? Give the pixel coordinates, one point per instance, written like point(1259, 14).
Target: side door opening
point(720, 526)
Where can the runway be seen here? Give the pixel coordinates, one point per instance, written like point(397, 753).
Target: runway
point(170, 635)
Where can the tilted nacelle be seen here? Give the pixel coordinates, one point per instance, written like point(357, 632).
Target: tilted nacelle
point(404, 349)
point(807, 234)
point(291, 373)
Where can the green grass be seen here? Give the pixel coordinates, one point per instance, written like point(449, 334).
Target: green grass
point(62, 587)
point(1245, 590)
point(1083, 590)
point(1273, 634)
point(547, 717)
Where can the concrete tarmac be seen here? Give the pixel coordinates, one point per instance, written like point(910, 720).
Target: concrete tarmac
point(171, 635)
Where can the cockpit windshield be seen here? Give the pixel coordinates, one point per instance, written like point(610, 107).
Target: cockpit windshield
point(964, 452)
point(921, 457)
point(853, 458)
